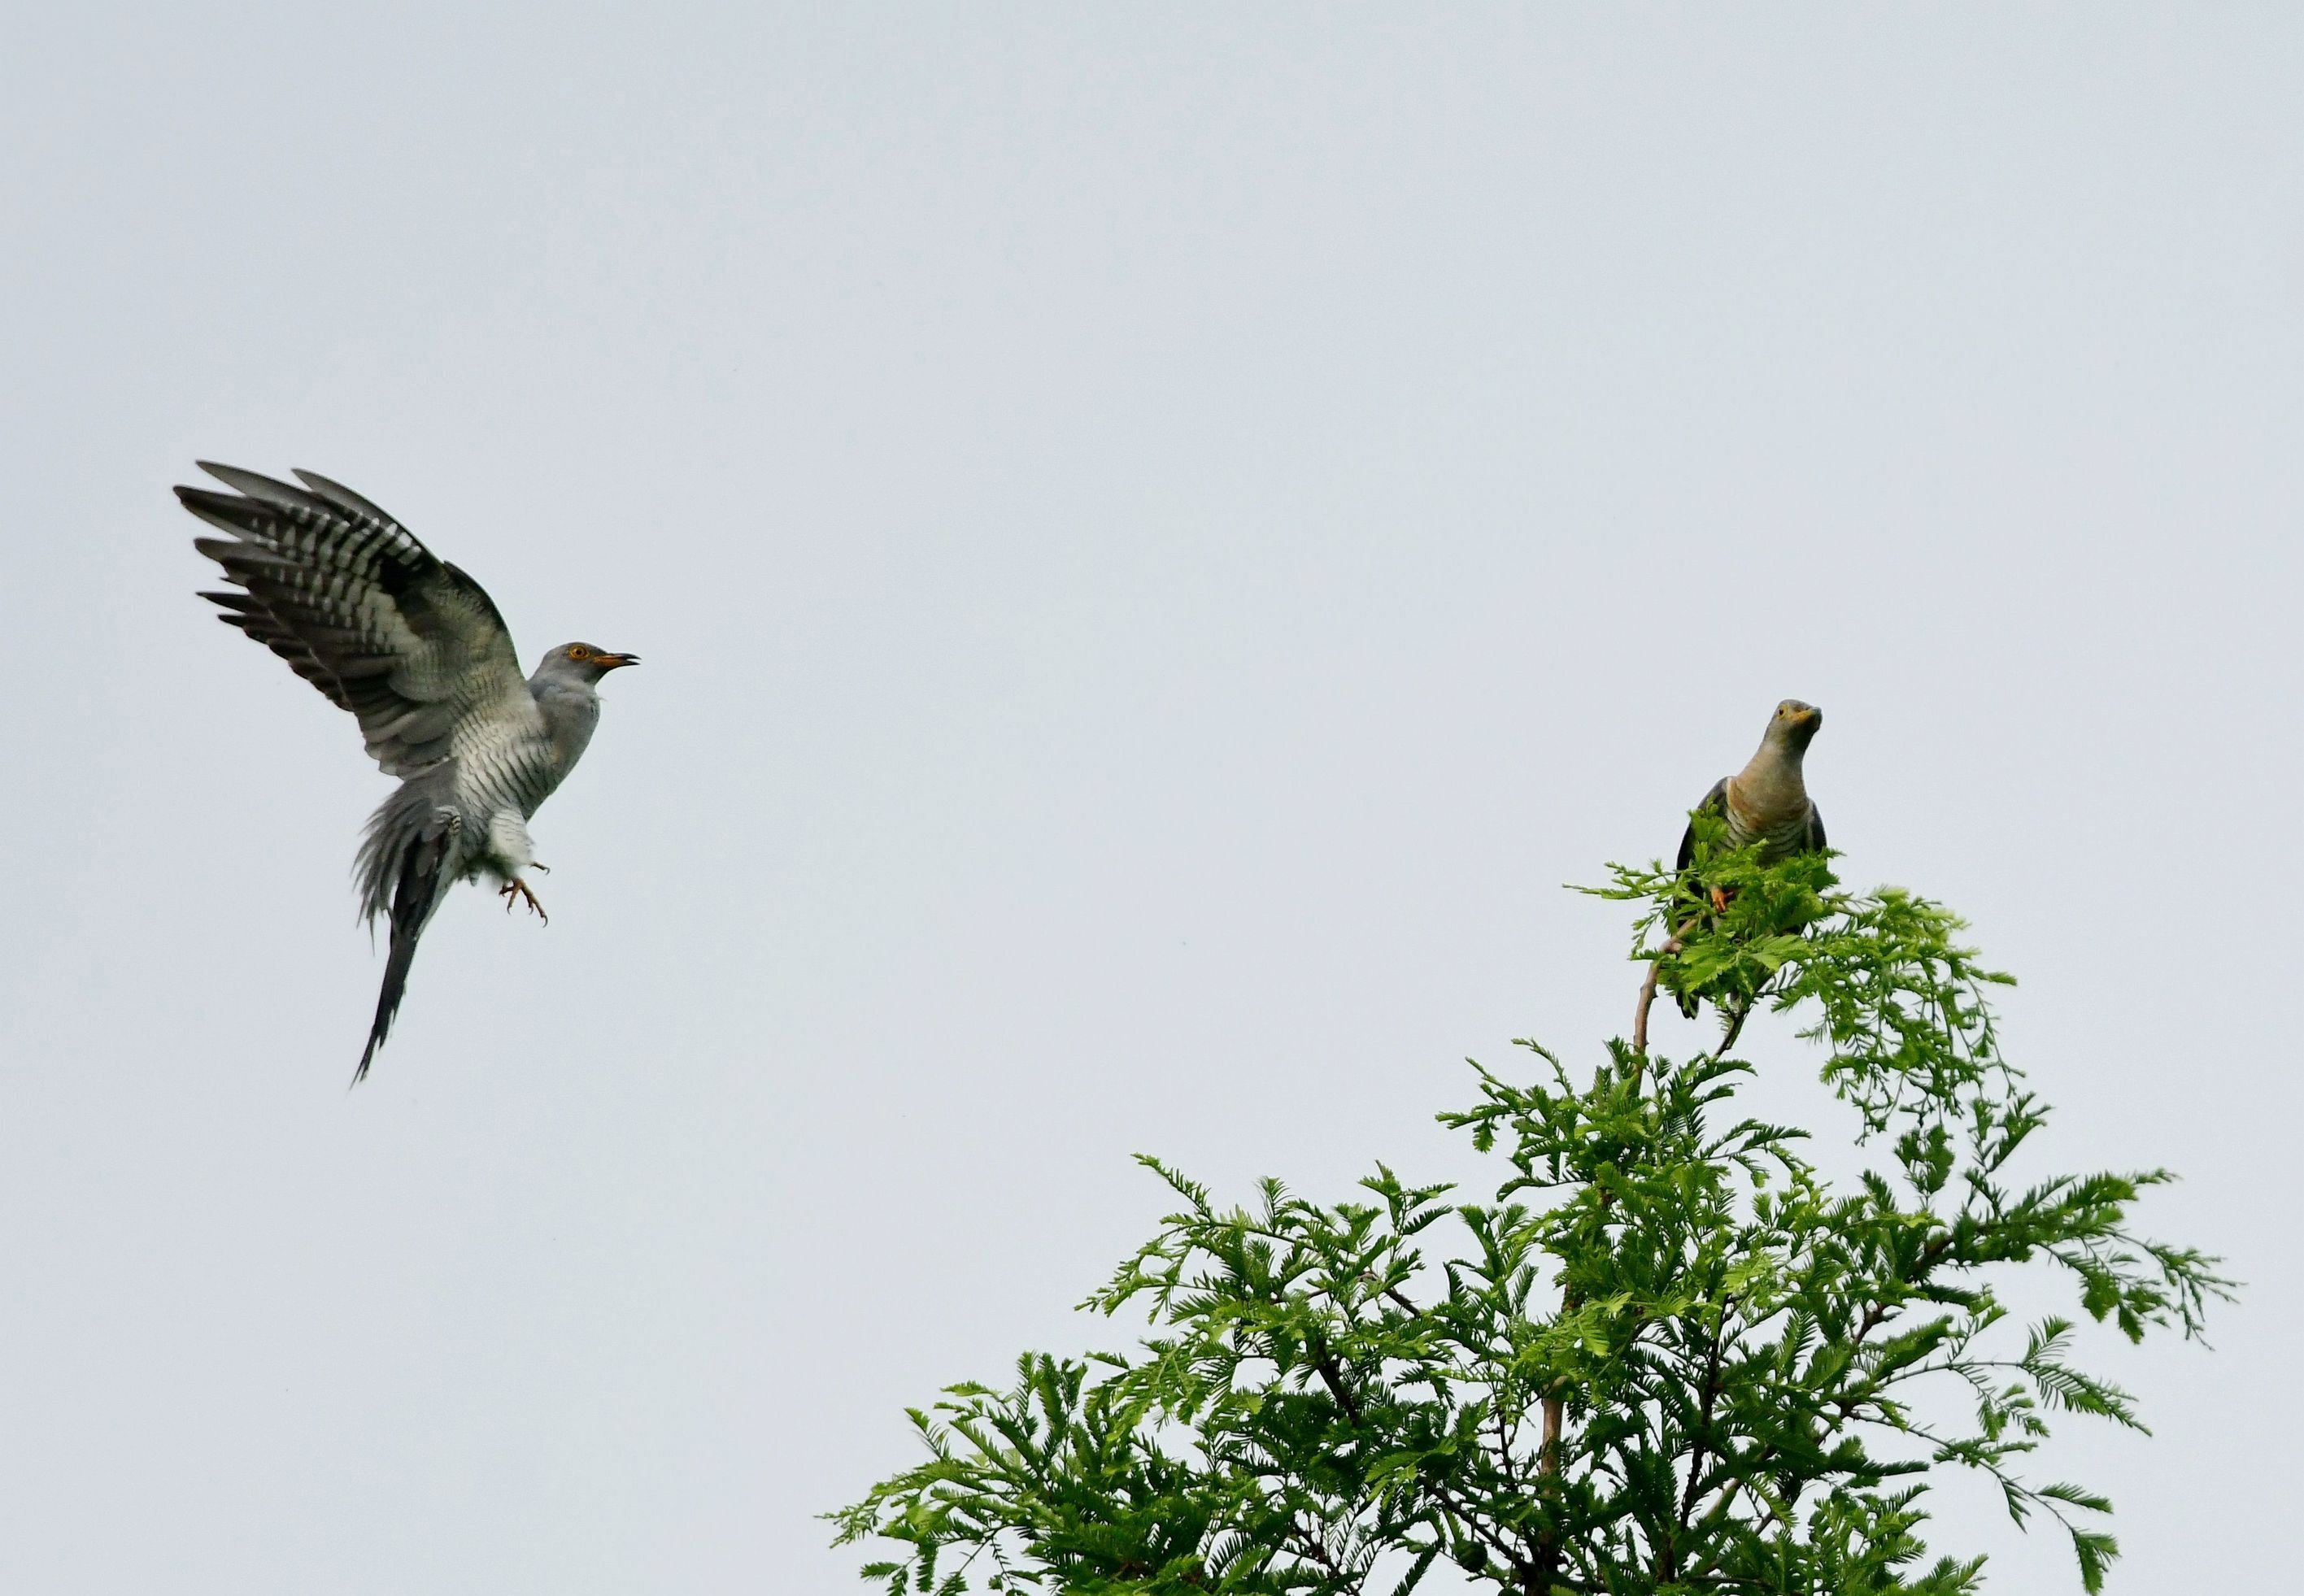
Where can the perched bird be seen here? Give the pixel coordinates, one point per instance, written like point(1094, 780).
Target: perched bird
point(413, 647)
point(1766, 802)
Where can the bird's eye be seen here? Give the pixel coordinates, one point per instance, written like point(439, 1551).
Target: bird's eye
point(579, 652)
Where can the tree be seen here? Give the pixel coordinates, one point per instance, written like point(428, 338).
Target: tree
point(1669, 1355)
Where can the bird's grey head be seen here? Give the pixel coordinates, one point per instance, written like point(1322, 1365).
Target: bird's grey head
point(581, 663)
point(1795, 724)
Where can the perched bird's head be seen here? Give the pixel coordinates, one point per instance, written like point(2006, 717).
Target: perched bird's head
point(581, 662)
point(1795, 723)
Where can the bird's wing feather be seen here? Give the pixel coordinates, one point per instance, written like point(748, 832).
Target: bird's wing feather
point(1715, 801)
point(1814, 842)
point(361, 610)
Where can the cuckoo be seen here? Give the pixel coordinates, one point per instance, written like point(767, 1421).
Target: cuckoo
point(418, 652)
point(1766, 802)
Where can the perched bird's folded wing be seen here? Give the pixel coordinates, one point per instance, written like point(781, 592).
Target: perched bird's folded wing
point(1715, 802)
point(362, 610)
point(1814, 842)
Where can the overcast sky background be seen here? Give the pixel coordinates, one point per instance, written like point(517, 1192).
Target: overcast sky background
point(1160, 537)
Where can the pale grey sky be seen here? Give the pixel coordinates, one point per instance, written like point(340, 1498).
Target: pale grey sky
point(1160, 536)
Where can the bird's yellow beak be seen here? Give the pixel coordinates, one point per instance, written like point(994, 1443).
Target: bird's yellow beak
point(610, 661)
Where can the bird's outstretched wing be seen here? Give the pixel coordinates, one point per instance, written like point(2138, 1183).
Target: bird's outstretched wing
point(361, 610)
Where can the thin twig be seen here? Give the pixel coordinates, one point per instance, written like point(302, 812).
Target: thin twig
point(1556, 1404)
point(1648, 1001)
point(1703, 1437)
point(1332, 1375)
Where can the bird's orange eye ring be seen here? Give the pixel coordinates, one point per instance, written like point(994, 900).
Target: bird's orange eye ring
point(580, 652)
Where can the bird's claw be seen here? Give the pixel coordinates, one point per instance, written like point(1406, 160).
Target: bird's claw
point(1719, 901)
point(515, 891)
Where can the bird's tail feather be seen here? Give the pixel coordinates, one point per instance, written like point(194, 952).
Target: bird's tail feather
point(407, 856)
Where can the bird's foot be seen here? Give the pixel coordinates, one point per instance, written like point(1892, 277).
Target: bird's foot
point(515, 891)
point(539, 865)
point(1719, 900)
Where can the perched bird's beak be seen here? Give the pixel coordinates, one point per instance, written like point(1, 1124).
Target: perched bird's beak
point(610, 661)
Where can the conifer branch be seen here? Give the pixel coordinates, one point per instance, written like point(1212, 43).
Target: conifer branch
point(1745, 1345)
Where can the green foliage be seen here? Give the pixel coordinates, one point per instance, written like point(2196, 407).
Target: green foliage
point(1667, 1356)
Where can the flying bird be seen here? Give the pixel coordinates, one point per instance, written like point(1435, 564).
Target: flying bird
point(1766, 802)
point(418, 653)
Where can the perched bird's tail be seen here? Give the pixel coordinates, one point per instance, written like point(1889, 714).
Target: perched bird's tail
point(408, 860)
